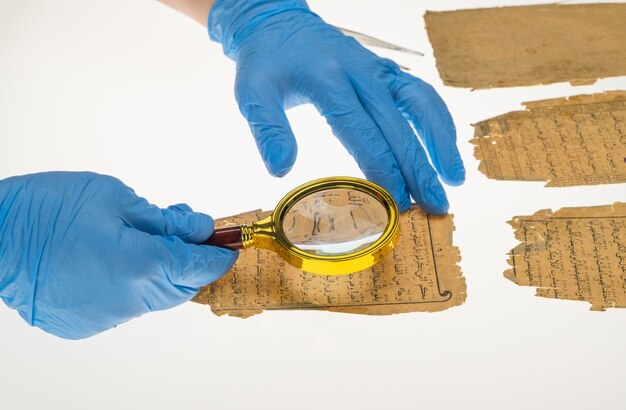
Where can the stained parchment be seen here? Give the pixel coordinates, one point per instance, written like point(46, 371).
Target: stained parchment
point(574, 253)
point(529, 45)
point(567, 142)
point(421, 274)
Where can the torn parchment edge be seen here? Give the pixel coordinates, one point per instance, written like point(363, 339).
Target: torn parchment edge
point(548, 214)
point(484, 136)
point(597, 98)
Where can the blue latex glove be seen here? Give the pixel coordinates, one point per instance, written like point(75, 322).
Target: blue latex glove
point(286, 55)
point(80, 253)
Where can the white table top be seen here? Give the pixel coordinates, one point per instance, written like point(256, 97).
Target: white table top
point(134, 90)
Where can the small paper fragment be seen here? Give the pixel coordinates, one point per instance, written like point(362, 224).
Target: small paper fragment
point(420, 275)
point(529, 45)
point(573, 254)
point(580, 140)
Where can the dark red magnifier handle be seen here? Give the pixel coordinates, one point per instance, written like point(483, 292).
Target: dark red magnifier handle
point(229, 238)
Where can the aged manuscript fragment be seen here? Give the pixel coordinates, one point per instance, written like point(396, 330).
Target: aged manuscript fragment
point(567, 142)
point(529, 45)
point(574, 254)
point(421, 274)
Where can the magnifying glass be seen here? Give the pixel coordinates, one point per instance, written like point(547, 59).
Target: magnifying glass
point(330, 226)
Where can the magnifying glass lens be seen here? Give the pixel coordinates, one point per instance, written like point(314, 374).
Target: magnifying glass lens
point(330, 226)
point(335, 222)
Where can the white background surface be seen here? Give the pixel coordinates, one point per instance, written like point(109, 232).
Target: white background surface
point(132, 89)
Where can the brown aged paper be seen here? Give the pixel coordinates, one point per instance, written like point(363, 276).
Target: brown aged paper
point(420, 275)
point(567, 142)
point(529, 45)
point(574, 254)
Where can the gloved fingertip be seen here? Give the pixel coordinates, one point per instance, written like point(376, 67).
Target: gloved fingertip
point(182, 208)
point(436, 200)
point(404, 204)
point(434, 208)
point(432, 198)
point(279, 157)
point(201, 228)
point(220, 261)
point(191, 227)
point(398, 191)
point(231, 257)
point(457, 177)
point(195, 266)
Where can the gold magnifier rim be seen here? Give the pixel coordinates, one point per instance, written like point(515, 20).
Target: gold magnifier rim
point(268, 233)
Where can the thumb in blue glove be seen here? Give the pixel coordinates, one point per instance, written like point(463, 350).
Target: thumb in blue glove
point(286, 55)
point(80, 253)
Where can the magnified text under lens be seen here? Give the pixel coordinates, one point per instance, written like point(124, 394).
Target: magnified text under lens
point(335, 222)
point(330, 226)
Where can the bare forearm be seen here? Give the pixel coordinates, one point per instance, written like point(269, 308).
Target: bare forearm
point(196, 9)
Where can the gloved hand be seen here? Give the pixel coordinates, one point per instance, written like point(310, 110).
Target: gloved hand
point(81, 253)
point(286, 55)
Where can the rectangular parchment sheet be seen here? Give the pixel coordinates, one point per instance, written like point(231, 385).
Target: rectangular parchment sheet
point(574, 254)
point(529, 45)
point(421, 274)
point(578, 140)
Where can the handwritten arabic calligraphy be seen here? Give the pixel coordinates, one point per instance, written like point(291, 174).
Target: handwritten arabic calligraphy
point(575, 141)
point(574, 253)
point(421, 274)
